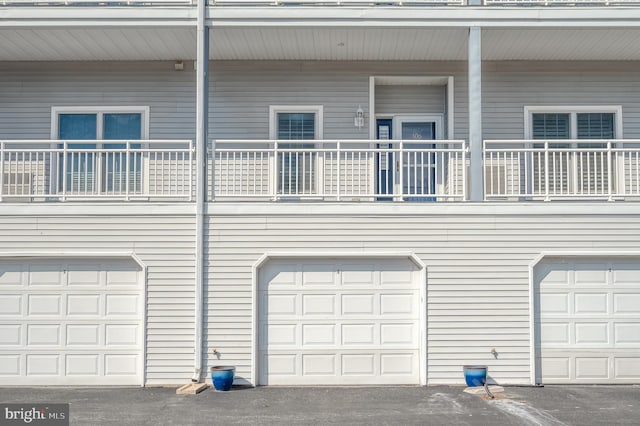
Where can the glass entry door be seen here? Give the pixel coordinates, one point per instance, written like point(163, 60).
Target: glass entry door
point(412, 172)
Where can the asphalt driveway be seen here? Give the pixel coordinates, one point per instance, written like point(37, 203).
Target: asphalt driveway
point(434, 405)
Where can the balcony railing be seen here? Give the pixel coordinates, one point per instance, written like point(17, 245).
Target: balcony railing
point(421, 3)
point(349, 170)
point(52, 170)
point(101, 3)
point(562, 169)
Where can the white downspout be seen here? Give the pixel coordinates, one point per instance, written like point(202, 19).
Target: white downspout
point(476, 192)
point(202, 104)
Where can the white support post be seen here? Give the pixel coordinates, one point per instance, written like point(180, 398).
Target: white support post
point(476, 192)
point(202, 104)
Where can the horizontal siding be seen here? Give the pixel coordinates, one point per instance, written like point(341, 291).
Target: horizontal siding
point(477, 272)
point(165, 244)
point(27, 98)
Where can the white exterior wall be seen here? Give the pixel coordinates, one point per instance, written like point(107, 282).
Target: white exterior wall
point(163, 238)
point(241, 93)
point(28, 94)
point(477, 259)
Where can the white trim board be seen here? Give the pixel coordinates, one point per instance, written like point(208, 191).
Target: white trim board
point(262, 260)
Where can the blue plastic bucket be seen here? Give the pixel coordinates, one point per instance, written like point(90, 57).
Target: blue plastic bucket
point(222, 377)
point(475, 375)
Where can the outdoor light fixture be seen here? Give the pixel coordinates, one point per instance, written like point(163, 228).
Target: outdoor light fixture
point(358, 121)
point(178, 66)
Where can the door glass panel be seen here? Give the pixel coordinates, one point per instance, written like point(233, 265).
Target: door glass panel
point(122, 126)
point(296, 167)
point(419, 161)
point(80, 162)
point(592, 165)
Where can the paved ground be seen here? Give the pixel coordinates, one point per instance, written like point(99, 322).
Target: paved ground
point(437, 405)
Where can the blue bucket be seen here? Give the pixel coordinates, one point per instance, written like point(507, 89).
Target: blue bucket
point(222, 377)
point(475, 375)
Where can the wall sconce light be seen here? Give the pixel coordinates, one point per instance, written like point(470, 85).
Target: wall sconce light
point(178, 66)
point(358, 121)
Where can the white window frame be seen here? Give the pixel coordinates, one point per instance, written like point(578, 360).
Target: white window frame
point(573, 111)
point(318, 110)
point(100, 111)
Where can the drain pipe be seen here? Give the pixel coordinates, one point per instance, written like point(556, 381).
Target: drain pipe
point(202, 107)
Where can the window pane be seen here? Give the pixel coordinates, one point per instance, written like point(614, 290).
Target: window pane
point(299, 125)
point(595, 125)
point(77, 127)
point(550, 126)
point(123, 126)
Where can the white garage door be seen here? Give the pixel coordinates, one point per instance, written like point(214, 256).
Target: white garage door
point(349, 322)
point(72, 322)
point(588, 322)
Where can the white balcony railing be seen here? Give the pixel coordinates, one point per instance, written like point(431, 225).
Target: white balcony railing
point(51, 170)
point(101, 3)
point(346, 3)
point(348, 170)
point(562, 169)
point(561, 2)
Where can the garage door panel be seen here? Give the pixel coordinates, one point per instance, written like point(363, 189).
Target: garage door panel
point(319, 334)
point(627, 334)
point(65, 326)
point(358, 275)
point(592, 334)
point(359, 304)
point(84, 304)
point(83, 335)
point(554, 303)
point(591, 303)
point(338, 324)
point(627, 303)
point(592, 368)
point(359, 365)
point(318, 275)
point(10, 335)
point(10, 305)
point(44, 304)
point(626, 275)
point(319, 304)
point(627, 368)
point(86, 275)
point(555, 333)
point(82, 365)
point(591, 274)
point(597, 339)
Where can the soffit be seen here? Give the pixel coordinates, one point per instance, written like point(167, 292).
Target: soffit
point(571, 44)
point(334, 44)
point(97, 44)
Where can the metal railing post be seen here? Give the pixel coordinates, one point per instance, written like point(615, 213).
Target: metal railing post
point(1, 170)
point(609, 172)
point(400, 170)
point(546, 171)
point(339, 167)
point(276, 171)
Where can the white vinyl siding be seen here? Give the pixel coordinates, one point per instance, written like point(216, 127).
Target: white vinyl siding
point(477, 273)
point(164, 242)
point(27, 98)
point(412, 100)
